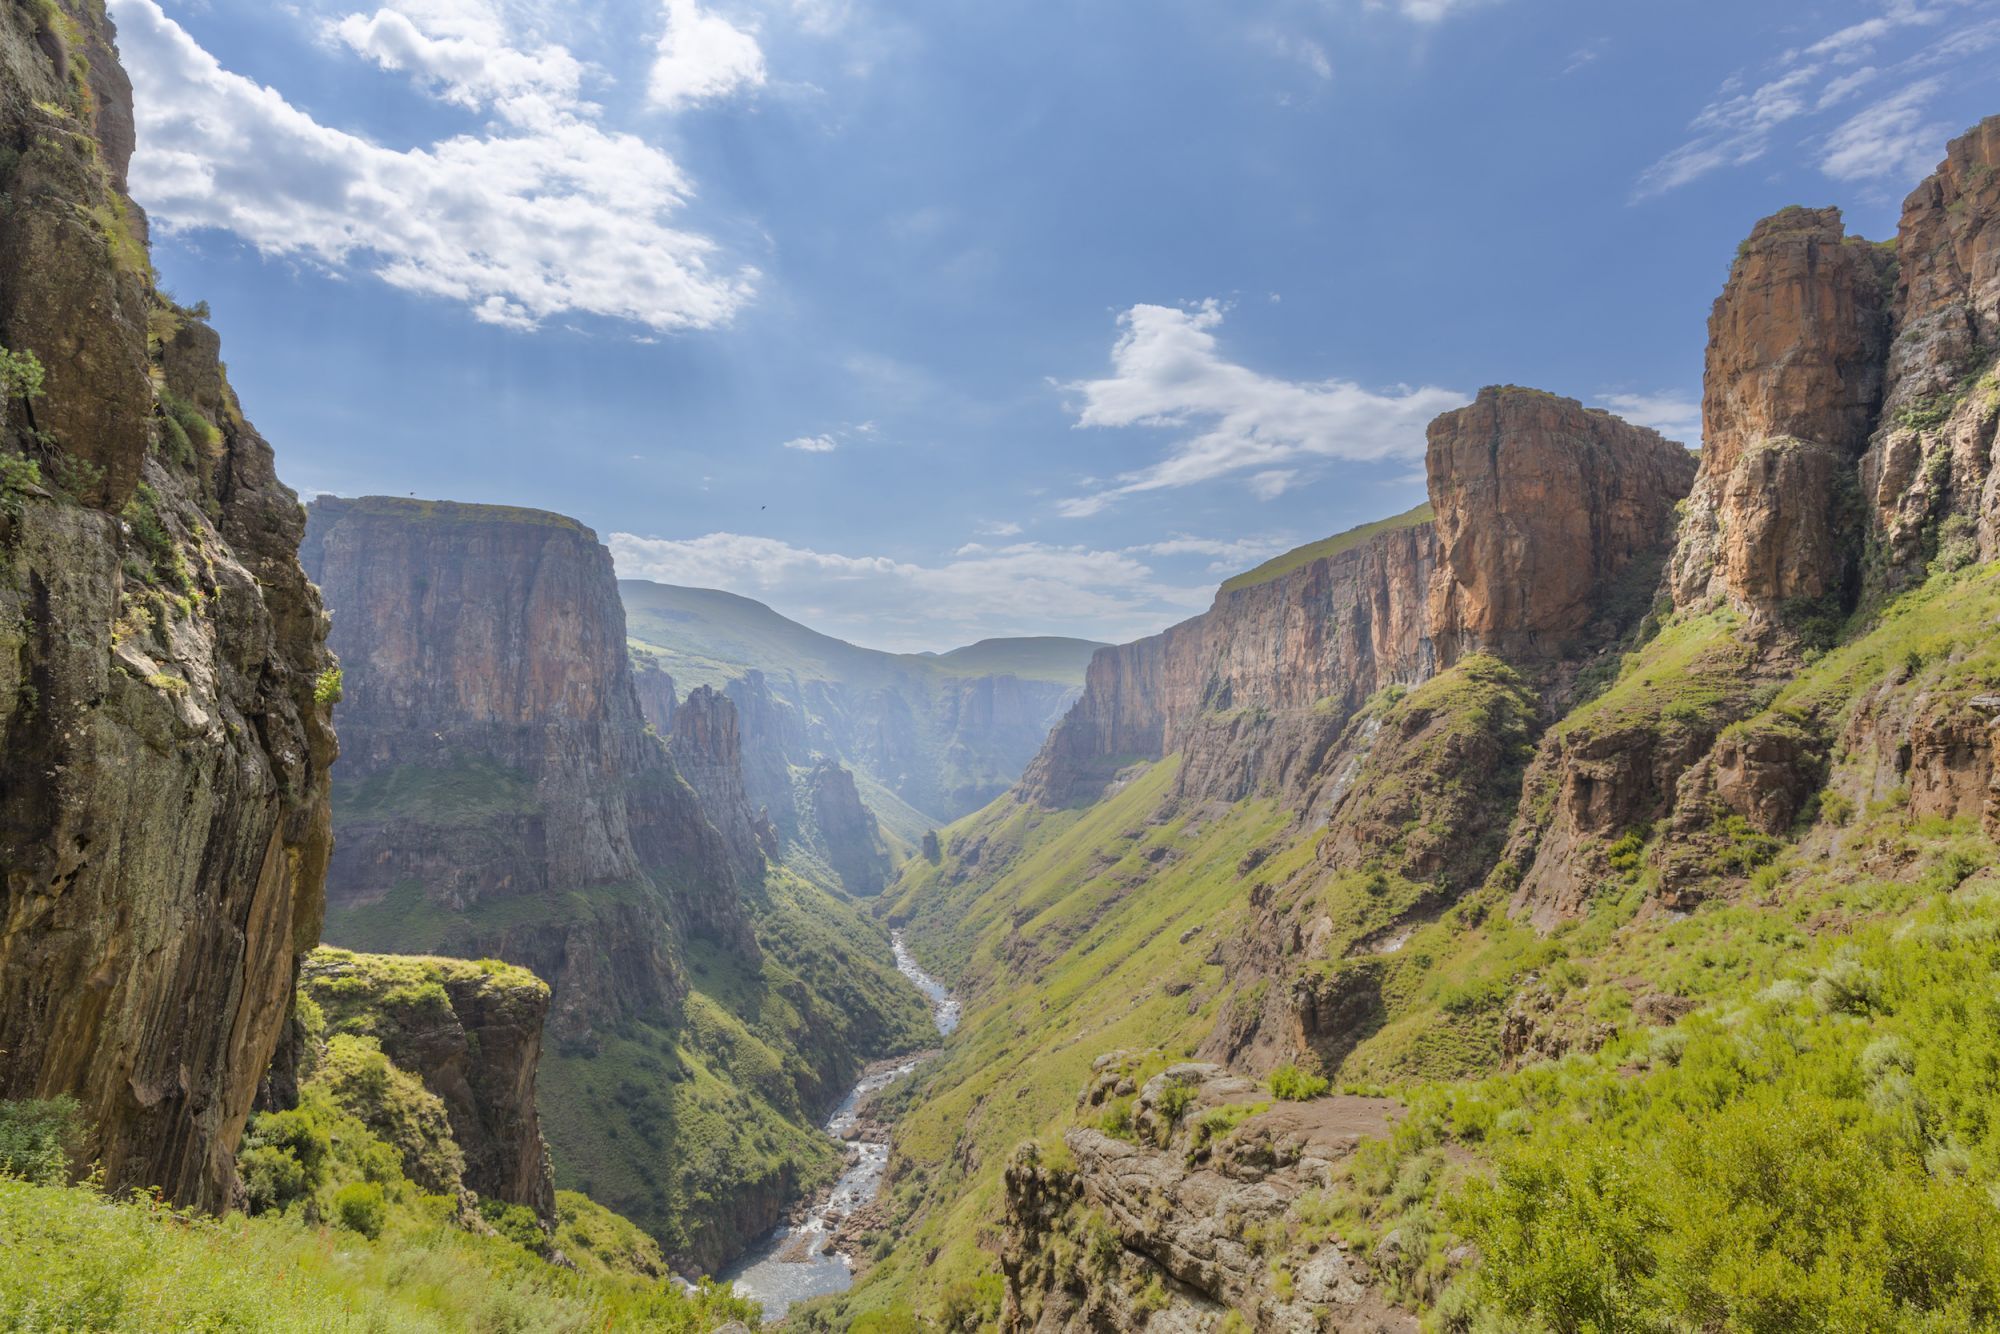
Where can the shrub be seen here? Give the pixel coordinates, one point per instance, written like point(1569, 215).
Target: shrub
point(360, 1207)
point(1174, 1101)
point(283, 1158)
point(37, 1137)
point(1296, 1085)
point(328, 687)
point(516, 1222)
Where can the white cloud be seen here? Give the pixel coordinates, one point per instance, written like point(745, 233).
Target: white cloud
point(1167, 371)
point(979, 590)
point(702, 57)
point(813, 444)
point(1739, 126)
point(553, 217)
point(1676, 416)
point(462, 50)
point(1000, 528)
point(1890, 138)
point(1427, 11)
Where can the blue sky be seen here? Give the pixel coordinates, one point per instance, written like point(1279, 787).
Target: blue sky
point(930, 320)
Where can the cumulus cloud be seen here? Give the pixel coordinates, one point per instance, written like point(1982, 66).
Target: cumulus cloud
point(702, 57)
point(1891, 139)
point(979, 590)
point(553, 214)
point(462, 50)
point(1674, 415)
point(813, 444)
point(1168, 372)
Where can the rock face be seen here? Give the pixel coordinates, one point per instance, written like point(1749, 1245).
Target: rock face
point(657, 700)
point(1794, 378)
point(163, 758)
point(848, 834)
point(1929, 478)
point(473, 1033)
point(1543, 508)
point(1247, 686)
point(1179, 1206)
point(933, 737)
point(499, 794)
point(709, 753)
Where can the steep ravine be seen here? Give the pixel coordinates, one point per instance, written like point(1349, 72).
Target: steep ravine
point(803, 1259)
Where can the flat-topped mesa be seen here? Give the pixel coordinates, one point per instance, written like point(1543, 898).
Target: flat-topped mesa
point(1547, 512)
point(164, 726)
point(1929, 479)
point(501, 794)
point(1793, 382)
point(1296, 643)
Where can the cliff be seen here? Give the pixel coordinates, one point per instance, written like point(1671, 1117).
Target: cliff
point(929, 737)
point(472, 1033)
point(503, 796)
point(1553, 520)
point(499, 794)
point(164, 737)
point(1252, 685)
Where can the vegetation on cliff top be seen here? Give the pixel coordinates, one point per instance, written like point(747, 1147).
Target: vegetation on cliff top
point(1338, 544)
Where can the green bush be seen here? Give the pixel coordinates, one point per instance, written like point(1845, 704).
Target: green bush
point(360, 1207)
point(37, 1137)
point(328, 687)
point(516, 1222)
point(1296, 1085)
point(1174, 1101)
point(283, 1158)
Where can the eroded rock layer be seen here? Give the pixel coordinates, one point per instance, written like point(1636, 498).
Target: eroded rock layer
point(500, 794)
point(163, 758)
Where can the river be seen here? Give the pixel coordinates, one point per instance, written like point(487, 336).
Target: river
point(794, 1261)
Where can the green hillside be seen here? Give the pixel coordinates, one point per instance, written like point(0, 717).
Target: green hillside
point(1826, 1060)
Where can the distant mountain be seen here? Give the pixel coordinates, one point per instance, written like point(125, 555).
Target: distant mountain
point(930, 737)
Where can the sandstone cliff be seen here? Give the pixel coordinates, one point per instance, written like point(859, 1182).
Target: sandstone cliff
point(472, 1032)
point(1552, 519)
point(163, 792)
point(499, 794)
point(1252, 687)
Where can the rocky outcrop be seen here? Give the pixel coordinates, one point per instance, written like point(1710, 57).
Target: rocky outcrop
point(163, 754)
point(1794, 378)
point(709, 753)
point(1546, 512)
point(846, 830)
point(1182, 1225)
point(499, 794)
point(1929, 479)
point(657, 700)
point(1252, 686)
point(472, 1032)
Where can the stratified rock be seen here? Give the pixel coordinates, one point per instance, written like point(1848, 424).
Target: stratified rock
point(1543, 507)
point(472, 1032)
point(657, 700)
point(1183, 1227)
point(163, 759)
point(1794, 378)
point(499, 794)
point(1931, 466)
point(846, 830)
point(1253, 687)
point(709, 753)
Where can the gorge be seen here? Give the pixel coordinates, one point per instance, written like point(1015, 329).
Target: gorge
point(1572, 903)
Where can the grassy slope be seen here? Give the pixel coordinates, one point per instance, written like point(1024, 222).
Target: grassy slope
point(1039, 658)
point(1083, 973)
point(1328, 546)
point(672, 1124)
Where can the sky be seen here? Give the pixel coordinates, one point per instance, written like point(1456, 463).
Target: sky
point(928, 320)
